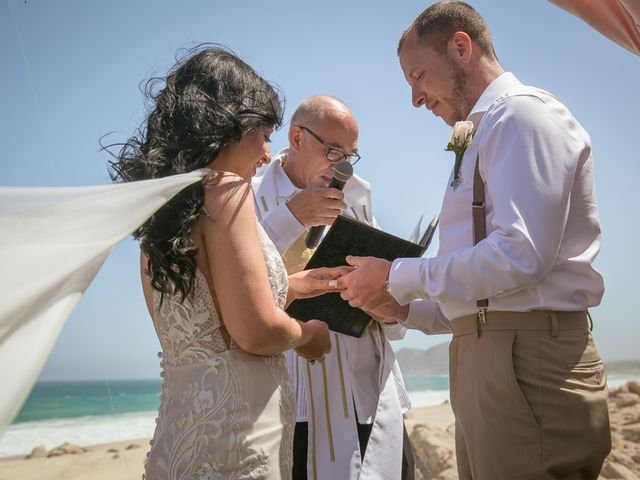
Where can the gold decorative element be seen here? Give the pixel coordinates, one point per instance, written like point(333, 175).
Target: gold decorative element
point(340, 371)
point(328, 412)
point(314, 454)
point(297, 255)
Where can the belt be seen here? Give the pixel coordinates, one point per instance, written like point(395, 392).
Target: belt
point(532, 320)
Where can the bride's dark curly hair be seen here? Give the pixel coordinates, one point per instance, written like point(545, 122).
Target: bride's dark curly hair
point(209, 99)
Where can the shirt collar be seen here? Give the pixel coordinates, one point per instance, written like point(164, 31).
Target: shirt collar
point(284, 186)
point(493, 91)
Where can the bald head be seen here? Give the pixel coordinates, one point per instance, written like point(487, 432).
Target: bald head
point(321, 109)
point(321, 128)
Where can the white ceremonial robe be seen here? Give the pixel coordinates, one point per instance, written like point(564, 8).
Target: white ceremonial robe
point(360, 373)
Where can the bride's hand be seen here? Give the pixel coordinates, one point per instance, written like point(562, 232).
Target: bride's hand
point(311, 283)
point(316, 342)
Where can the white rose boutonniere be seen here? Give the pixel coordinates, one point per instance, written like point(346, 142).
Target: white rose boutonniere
point(461, 137)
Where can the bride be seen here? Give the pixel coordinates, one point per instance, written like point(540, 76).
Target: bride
point(214, 284)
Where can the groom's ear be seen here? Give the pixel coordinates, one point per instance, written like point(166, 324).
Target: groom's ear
point(460, 48)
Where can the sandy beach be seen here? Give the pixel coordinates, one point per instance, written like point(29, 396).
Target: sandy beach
point(430, 430)
point(122, 461)
point(125, 460)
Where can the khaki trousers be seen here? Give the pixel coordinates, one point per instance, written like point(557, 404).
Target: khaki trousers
point(529, 394)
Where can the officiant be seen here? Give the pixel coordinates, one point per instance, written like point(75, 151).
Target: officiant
point(350, 406)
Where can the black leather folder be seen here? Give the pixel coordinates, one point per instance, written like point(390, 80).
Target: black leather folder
point(351, 237)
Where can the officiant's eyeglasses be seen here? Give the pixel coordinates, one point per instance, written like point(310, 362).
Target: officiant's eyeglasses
point(333, 154)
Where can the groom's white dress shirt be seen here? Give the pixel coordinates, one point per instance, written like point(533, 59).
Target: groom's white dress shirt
point(542, 223)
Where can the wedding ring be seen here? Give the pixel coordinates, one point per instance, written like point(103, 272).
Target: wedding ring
point(333, 283)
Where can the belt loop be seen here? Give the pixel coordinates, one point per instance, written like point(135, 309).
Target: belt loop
point(476, 327)
point(554, 324)
point(590, 320)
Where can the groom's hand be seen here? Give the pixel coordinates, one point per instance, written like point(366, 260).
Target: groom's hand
point(364, 287)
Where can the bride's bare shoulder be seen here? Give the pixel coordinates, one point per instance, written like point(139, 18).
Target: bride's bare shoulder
point(227, 198)
point(224, 186)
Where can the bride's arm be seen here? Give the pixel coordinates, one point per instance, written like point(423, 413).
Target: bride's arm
point(239, 274)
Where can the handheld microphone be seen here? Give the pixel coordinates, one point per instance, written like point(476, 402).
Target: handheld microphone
point(342, 172)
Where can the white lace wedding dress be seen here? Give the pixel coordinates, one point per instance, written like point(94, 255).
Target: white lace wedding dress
point(224, 413)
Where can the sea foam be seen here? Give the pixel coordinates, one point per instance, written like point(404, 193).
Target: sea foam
point(21, 438)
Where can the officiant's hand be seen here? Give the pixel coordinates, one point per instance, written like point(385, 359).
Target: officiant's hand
point(364, 287)
point(316, 342)
point(315, 206)
point(314, 282)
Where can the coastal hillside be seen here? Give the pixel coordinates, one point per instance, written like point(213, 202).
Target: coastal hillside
point(435, 361)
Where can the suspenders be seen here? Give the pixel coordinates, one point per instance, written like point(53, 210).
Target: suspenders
point(479, 228)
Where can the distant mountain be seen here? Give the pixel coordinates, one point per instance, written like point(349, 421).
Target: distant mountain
point(434, 361)
point(623, 367)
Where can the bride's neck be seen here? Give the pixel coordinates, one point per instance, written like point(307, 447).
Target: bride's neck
point(225, 162)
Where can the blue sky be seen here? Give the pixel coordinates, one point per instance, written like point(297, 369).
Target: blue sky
point(71, 72)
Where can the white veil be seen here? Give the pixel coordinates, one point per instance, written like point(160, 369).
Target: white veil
point(53, 241)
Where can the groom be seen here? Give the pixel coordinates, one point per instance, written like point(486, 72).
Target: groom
point(350, 406)
point(516, 276)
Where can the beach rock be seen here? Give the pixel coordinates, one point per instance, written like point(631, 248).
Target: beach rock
point(115, 457)
point(632, 433)
point(626, 399)
point(613, 470)
point(624, 413)
point(132, 446)
point(433, 453)
point(38, 452)
point(622, 389)
point(630, 415)
point(66, 449)
point(434, 447)
point(634, 387)
point(112, 450)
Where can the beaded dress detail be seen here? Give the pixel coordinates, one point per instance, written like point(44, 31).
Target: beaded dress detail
point(224, 413)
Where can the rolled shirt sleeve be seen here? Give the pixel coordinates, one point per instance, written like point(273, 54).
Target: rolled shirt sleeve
point(394, 331)
point(426, 316)
point(282, 227)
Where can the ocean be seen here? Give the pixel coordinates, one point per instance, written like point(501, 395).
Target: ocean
point(95, 412)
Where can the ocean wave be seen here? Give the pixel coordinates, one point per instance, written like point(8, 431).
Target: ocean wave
point(21, 438)
point(428, 398)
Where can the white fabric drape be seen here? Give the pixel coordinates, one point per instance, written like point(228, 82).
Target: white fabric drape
point(617, 19)
point(52, 243)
